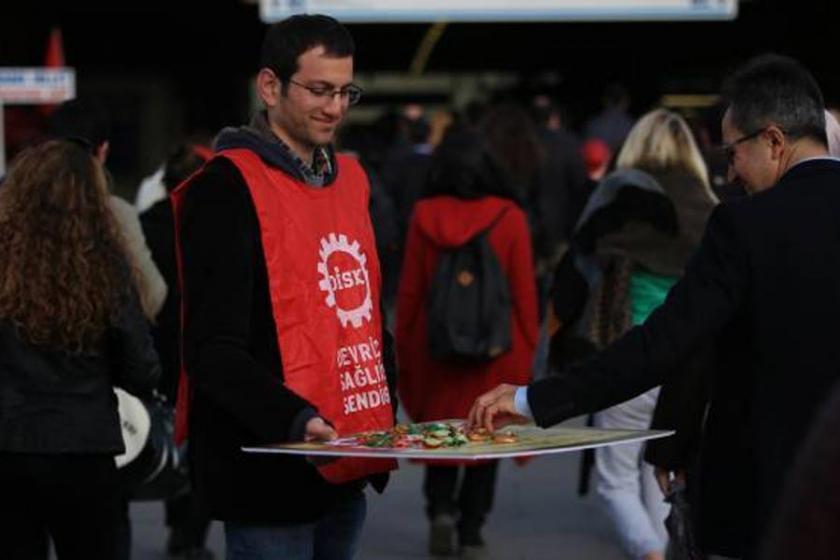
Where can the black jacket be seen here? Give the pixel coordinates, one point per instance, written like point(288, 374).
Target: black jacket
point(233, 358)
point(559, 193)
point(806, 521)
point(768, 273)
point(52, 401)
point(159, 230)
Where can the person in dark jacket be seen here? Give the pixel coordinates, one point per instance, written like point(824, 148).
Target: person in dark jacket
point(71, 328)
point(281, 307)
point(562, 187)
point(613, 123)
point(158, 225)
point(187, 523)
point(406, 168)
point(769, 265)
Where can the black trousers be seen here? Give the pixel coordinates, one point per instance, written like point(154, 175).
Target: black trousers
point(470, 501)
point(187, 523)
point(72, 498)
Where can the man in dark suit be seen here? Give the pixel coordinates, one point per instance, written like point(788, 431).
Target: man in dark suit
point(768, 273)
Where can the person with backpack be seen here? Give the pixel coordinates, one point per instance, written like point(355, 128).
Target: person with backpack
point(466, 319)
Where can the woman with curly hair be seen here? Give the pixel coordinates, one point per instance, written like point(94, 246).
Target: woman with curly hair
point(70, 328)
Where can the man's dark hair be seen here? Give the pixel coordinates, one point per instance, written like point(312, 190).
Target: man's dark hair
point(464, 167)
point(776, 89)
point(184, 160)
point(82, 121)
point(285, 41)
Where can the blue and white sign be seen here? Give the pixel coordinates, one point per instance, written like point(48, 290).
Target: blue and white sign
point(35, 86)
point(383, 11)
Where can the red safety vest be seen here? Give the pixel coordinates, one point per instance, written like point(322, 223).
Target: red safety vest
point(324, 284)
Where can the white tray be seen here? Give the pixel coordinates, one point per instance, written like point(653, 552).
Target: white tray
point(532, 441)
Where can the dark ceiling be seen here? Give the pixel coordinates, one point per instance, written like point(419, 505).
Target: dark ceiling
point(207, 50)
point(222, 39)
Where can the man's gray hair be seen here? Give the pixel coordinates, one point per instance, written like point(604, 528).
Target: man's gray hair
point(776, 89)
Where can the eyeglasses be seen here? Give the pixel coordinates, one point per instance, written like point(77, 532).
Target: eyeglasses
point(352, 93)
point(729, 149)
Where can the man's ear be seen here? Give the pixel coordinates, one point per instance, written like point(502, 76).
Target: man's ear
point(777, 141)
point(268, 87)
point(101, 151)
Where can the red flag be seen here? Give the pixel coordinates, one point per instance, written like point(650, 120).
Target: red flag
point(53, 58)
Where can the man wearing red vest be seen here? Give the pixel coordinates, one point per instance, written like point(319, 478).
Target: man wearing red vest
point(282, 332)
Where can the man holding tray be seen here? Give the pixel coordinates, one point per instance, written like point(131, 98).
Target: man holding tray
point(283, 337)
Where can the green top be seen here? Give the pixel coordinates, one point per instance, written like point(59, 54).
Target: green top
point(647, 292)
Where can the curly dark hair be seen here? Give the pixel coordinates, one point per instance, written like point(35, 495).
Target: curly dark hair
point(63, 270)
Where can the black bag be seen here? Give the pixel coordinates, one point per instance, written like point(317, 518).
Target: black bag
point(469, 303)
point(152, 466)
point(682, 542)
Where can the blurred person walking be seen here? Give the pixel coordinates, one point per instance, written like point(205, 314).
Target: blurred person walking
point(187, 522)
point(562, 188)
point(87, 122)
point(468, 195)
point(613, 123)
point(512, 140)
point(632, 243)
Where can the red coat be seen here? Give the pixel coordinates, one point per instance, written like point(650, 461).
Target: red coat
point(433, 390)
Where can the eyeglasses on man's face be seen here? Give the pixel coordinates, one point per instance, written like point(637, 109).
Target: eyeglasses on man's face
point(352, 93)
point(729, 149)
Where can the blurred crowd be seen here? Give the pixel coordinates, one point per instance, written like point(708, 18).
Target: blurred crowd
point(589, 228)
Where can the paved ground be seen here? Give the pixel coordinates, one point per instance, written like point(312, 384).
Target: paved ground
point(537, 516)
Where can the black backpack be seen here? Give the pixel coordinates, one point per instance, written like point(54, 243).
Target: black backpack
point(469, 303)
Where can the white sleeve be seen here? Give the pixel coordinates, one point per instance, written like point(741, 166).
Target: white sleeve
point(520, 402)
point(147, 278)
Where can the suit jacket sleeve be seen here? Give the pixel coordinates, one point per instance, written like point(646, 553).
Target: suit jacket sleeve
point(681, 406)
point(713, 287)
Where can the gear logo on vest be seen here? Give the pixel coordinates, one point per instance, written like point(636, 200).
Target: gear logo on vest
point(344, 278)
